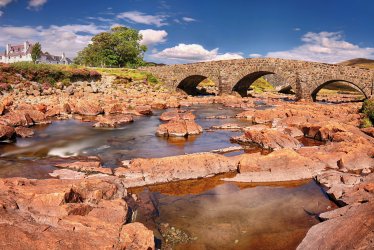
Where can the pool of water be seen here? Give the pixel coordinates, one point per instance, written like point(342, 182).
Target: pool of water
point(212, 214)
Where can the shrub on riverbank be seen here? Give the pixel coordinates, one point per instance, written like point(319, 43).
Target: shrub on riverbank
point(50, 74)
point(368, 110)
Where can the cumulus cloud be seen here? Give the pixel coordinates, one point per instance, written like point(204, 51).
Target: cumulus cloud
point(54, 39)
point(329, 47)
point(4, 3)
point(188, 19)
point(140, 17)
point(193, 53)
point(36, 4)
point(152, 37)
point(254, 55)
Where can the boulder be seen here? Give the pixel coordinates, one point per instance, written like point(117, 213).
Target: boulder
point(353, 230)
point(268, 139)
point(24, 132)
point(16, 118)
point(142, 172)
point(113, 121)
point(88, 108)
point(281, 165)
point(6, 132)
point(179, 128)
point(144, 110)
point(68, 214)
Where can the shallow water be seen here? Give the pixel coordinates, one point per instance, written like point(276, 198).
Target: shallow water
point(67, 138)
point(222, 215)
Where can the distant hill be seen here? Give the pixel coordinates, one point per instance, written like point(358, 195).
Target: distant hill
point(359, 62)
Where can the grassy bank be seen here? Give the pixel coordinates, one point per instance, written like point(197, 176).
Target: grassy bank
point(51, 74)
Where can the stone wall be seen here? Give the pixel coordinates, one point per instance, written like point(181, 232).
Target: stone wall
point(305, 78)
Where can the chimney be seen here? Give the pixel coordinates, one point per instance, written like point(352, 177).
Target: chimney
point(63, 55)
point(7, 48)
point(25, 46)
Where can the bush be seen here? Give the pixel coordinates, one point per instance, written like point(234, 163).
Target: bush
point(366, 123)
point(152, 79)
point(368, 109)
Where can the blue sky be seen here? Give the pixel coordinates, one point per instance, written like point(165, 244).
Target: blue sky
point(179, 31)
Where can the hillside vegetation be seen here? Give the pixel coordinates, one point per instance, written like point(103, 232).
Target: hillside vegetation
point(359, 62)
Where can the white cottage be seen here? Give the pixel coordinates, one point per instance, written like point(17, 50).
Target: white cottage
point(17, 53)
point(22, 53)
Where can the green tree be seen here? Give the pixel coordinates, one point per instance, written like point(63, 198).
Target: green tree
point(118, 47)
point(36, 52)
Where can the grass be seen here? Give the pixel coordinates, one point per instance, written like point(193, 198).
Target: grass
point(261, 85)
point(133, 74)
point(123, 72)
point(50, 74)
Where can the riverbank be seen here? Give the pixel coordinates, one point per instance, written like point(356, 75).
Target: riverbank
point(84, 194)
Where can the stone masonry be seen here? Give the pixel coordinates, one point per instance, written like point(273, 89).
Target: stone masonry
point(305, 78)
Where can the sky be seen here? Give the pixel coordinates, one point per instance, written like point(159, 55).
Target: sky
point(177, 31)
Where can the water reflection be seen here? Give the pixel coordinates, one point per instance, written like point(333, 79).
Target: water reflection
point(236, 216)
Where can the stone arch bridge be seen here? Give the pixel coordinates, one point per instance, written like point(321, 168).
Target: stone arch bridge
point(305, 78)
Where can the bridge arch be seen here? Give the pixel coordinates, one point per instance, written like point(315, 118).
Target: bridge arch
point(245, 80)
point(328, 82)
point(188, 83)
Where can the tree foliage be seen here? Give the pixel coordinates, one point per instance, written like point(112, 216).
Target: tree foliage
point(118, 47)
point(36, 52)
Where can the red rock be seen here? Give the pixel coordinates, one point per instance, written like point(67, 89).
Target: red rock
point(228, 126)
point(137, 237)
point(24, 132)
point(144, 110)
point(2, 108)
point(177, 115)
point(113, 121)
point(37, 116)
point(179, 128)
point(88, 108)
point(41, 108)
point(142, 172)
point(369, 131)
point(353, 230)
point(6, 132)
point(86, 166)
point(8, 101)
point(269, 139)
point(116, 109)
point(281, 165)
point(158, 105)
point(67, 214)
point(16, 118)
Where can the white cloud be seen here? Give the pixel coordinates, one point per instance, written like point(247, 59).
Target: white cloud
point(140, 17)
point(188, 19)
point(254, 55)
point(35, 4)
point(1, 13)
point(4, 3)
point(152, 37)
point(193, 53)
point(54, 39)
point(296, 29)
point(329, 47)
